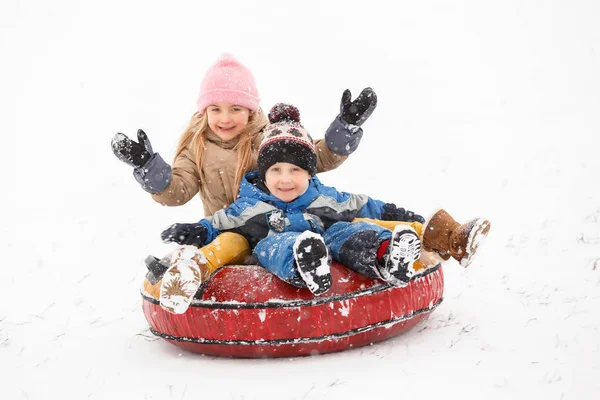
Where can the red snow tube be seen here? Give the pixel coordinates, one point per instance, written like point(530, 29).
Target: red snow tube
point(245, 311)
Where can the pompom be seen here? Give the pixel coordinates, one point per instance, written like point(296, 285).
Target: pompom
point(227, 60)
point(282, 112)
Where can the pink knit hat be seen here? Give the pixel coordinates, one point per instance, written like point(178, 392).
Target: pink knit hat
point(228, 81)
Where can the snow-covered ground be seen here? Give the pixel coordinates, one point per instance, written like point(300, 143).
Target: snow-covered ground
point(486, 108)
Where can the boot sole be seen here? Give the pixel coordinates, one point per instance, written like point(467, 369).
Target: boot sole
point(312, 270)
point(404, 250)
point(182, 280)
point(477, 236)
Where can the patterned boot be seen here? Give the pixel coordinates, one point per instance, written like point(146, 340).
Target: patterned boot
point(451, 239)
point(313, 262)
point(403, 249)
point(183, 278)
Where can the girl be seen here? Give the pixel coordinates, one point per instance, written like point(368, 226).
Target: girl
point(220, 145)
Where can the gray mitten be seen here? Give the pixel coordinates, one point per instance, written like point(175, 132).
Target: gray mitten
point(344, 134)
point(150, 170)
point(131, 152)
point(358, 111)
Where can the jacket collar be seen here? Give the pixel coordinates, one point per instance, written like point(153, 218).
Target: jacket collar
point(213, 138)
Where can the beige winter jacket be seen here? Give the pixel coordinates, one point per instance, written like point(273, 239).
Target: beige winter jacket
point(219, 168)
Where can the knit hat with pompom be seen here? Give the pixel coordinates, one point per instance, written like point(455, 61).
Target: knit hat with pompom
point(228, 81)
point(286, 140)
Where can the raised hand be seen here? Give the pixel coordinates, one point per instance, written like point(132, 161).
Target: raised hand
point(358, 111)
point(130, 152)
point(190, 234)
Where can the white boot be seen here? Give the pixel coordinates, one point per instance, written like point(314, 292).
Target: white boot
point(404, 249)
point(182, 280)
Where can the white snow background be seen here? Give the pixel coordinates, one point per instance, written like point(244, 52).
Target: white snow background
point(486, 108)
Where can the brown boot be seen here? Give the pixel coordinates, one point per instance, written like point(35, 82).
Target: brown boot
point(451, 239)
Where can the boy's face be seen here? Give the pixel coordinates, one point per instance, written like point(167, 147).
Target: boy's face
point(286, 181)
point(227, 120)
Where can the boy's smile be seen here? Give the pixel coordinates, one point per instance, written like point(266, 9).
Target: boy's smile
point(286, 181)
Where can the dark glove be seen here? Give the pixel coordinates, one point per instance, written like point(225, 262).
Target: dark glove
point(358, 111)
point(130, 152)
point(344, 134)
point(393, 213)
point(191, 234)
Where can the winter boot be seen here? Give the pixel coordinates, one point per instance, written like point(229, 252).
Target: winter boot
point(403, 249)
point(313, 262)
point(156, 268)
point(183, 278)
point(451, 239)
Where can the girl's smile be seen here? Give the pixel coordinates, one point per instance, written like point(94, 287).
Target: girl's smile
point(227, 120)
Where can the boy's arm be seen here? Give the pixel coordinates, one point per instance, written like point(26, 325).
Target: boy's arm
point(211, 231)
point(372, 209)
point(349, 206)
point(245, 217)
point(377, 209)
point(333, 205)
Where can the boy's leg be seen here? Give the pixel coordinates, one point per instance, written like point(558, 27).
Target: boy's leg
point(276, 253)
point(375, 251)
point(300, 259)
point(355, 244)
point(426, 259)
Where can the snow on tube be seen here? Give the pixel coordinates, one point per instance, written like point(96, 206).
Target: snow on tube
point(245, 311)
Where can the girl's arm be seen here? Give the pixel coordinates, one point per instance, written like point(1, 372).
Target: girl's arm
point(184, 183)
point(168, 186)
point(149, 169)
point(327, 160)
point(344, 134)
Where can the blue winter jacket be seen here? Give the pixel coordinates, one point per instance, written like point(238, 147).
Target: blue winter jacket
point(256, 214)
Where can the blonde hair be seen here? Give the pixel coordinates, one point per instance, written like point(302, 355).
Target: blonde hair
point(194, 138)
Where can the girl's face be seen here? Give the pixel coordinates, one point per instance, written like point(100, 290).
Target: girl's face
point(286, 181)
point(227, 120)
